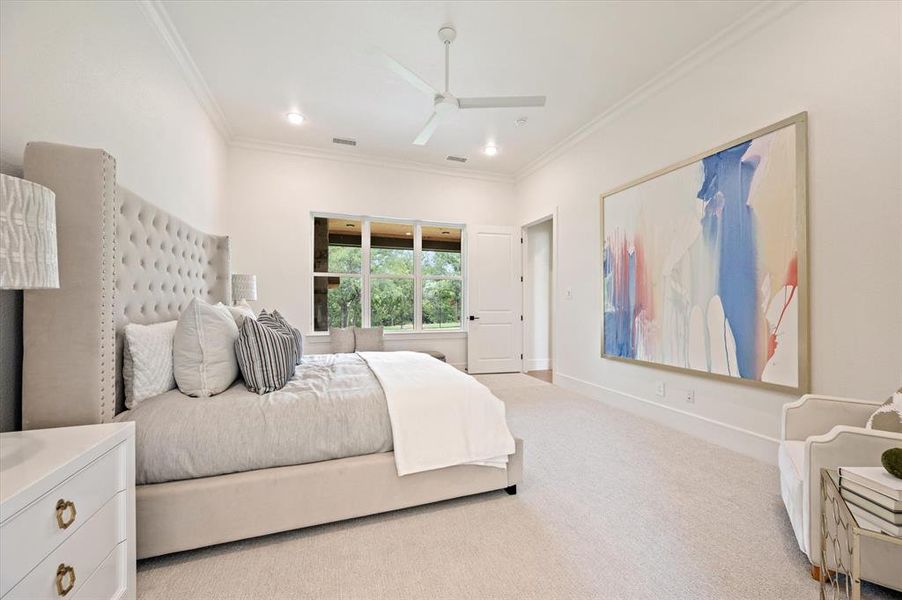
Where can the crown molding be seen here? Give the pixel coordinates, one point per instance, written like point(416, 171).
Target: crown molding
point(753, 21)
point(367, 159)
point(158, 17)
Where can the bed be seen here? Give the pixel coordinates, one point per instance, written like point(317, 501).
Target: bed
point(122, 260)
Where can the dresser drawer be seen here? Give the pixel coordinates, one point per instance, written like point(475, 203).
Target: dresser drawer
point(31, 534)
point(110, 578)
point(84, 551)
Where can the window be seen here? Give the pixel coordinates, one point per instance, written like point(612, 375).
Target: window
point(441, 280)
point(337, 280)
point(403, 275)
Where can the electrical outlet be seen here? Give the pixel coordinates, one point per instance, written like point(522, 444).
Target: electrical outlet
point(690, 396)
point(660, 391)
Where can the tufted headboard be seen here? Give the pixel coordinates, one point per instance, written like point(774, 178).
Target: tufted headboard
point(122, 260)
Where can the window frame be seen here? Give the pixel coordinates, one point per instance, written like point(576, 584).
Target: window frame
point(418, 278)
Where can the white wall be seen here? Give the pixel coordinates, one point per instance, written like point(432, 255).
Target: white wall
point(97, 74)
point(841, 63)
point(269, 201)
point(538, 288)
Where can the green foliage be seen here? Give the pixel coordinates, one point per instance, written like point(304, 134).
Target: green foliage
point(345, 259)
point(391, 303)
point(441, 303)
point(391, 261)
point(344, 303)
point(441, 263)
point(892, 461)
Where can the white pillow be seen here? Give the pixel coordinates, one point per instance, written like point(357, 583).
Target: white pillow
point(203, 349)
point(240, 312)
point(147, 361)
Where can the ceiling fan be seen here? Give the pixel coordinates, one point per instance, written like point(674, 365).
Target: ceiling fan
point(445, 102)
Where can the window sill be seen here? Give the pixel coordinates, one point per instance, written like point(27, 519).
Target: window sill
point(399, 335)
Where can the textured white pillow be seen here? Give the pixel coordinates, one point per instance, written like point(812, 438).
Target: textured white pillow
point(240, 312)
point(147, 361)
point(203, 349)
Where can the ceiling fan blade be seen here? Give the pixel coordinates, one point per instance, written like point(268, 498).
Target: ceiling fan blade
point(427, 131)
point(501, 102)
point(408, 75)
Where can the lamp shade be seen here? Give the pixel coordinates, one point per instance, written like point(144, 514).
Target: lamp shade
point(244, 287)
point(28, 258)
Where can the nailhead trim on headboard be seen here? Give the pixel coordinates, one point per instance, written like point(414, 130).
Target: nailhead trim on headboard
point(108, 292)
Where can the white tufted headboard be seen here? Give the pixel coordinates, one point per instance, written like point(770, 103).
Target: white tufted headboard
point(122, 260)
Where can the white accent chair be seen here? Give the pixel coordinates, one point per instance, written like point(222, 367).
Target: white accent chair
point(828, 432)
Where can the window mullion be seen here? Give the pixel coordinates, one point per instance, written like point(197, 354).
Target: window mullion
point(365, 274)
point(417, 278)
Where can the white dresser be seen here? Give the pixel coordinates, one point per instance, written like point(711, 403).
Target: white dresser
point(67, 513)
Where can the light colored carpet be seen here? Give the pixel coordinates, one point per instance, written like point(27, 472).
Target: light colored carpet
point(612, 506)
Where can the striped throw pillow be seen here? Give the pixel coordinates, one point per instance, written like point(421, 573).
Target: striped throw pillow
point(276, 321)
point(265, 357)
point(295, 333)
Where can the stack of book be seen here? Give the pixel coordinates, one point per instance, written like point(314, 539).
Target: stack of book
point(874, 498)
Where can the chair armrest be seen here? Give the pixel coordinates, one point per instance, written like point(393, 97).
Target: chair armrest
point(842, 446)
point(814, 414)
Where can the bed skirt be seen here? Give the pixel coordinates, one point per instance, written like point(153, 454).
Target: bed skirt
point(193, 513)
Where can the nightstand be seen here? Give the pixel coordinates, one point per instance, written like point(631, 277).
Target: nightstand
point(67, 512)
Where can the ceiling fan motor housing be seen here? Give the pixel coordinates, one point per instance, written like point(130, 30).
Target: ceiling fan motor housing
point(447, 34)
point(445, 103)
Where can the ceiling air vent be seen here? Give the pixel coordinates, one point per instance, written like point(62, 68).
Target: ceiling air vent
point(460, 159)
point(344, 141)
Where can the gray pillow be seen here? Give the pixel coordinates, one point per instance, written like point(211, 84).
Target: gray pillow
point(368, 339)
point(265, 356)
point(276, 321)
point(341, 340)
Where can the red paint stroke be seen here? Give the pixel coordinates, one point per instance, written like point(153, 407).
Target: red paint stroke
point(792, 282)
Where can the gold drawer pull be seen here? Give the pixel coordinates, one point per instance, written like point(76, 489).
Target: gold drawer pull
point(66, 572)
point(62, 507)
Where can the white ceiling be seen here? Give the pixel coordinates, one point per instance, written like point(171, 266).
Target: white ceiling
point(261, 60)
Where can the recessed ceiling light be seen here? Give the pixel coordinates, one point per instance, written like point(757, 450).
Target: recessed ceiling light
point(295, 118)
point(490, 150)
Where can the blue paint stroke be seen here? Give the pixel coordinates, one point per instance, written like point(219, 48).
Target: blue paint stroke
point(728, 227)
point(618, 315)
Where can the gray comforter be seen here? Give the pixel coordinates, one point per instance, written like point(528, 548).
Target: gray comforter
point(333, 407)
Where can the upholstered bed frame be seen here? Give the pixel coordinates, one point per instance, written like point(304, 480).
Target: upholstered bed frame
point(123, 260)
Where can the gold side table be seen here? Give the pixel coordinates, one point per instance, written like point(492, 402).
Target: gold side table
point(841, 542)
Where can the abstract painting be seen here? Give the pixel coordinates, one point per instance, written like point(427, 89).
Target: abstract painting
point(704, 262)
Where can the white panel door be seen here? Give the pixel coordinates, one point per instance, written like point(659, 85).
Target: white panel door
point(493, 299)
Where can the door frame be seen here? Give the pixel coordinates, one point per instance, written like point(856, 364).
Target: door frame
point(525, 328)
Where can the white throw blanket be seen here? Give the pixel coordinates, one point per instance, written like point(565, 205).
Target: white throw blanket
point(440, 416)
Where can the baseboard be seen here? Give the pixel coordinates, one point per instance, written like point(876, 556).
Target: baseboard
point(744, 441)
point(537, 364)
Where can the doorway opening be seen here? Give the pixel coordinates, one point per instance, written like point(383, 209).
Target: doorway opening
point(538, 298)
